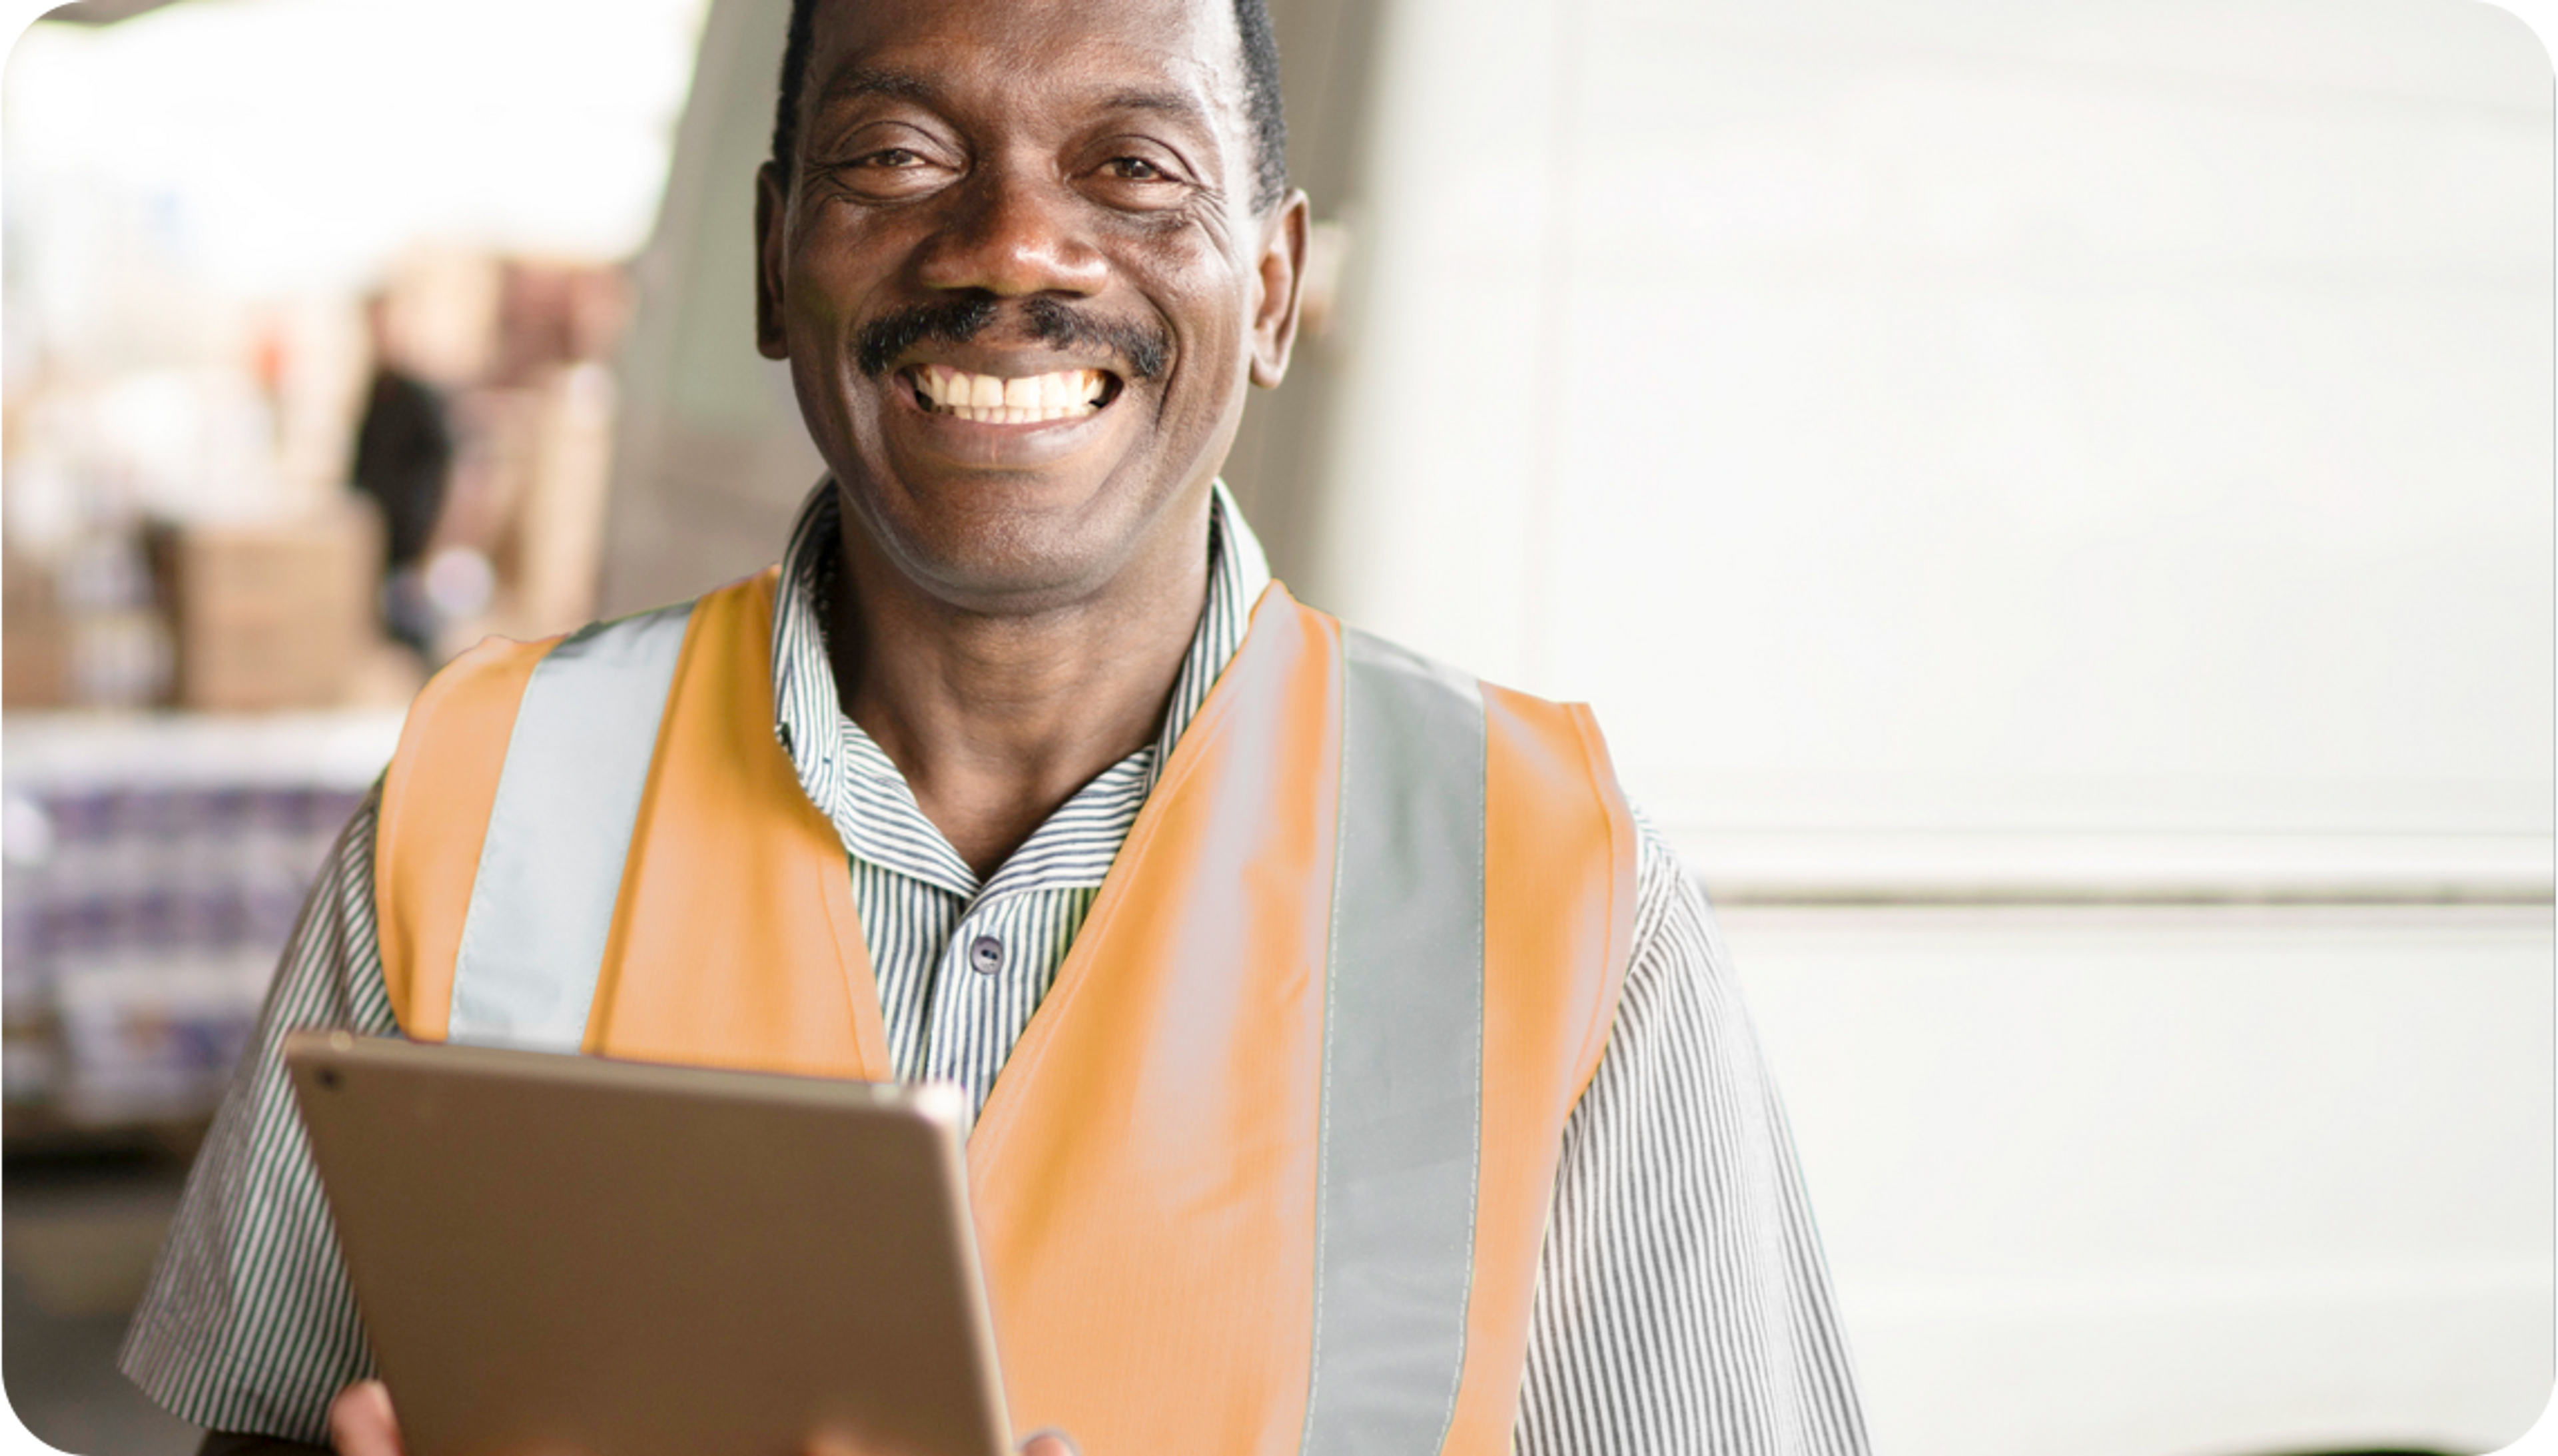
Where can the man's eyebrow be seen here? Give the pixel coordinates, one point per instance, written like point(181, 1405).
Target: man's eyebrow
point(862, 81)
point(1179, 105)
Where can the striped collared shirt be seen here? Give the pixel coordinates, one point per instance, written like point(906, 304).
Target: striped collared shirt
point(1681, 1303)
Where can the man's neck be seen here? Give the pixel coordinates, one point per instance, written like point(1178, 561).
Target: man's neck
point(996, 720)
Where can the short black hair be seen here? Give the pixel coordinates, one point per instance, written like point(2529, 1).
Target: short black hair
point(1261, 100)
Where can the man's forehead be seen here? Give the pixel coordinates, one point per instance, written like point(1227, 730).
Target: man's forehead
point(1165, 54)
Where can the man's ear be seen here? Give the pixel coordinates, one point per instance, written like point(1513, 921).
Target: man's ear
point(1281, 276)
point(772, 221)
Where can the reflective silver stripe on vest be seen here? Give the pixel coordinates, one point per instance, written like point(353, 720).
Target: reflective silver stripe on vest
point(1403, 1015)
point(550, 868)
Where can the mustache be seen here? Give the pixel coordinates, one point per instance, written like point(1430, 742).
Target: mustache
point(1143, 349)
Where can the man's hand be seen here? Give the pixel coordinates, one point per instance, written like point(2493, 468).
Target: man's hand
point(361, 1424)
point(360, 1421)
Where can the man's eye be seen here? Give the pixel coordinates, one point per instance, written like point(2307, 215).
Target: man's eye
point(892, 157)
point(1134, 169)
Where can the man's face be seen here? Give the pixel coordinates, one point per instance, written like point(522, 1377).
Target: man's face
point(1041, 201)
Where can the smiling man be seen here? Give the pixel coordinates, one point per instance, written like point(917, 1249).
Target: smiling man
point(1352, 1068)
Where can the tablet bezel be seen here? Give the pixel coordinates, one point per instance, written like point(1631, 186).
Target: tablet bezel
point(503, 1210)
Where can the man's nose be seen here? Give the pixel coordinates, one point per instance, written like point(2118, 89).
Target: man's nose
point(1014, 235)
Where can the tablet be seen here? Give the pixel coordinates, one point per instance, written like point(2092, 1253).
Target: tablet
point(570, 1254)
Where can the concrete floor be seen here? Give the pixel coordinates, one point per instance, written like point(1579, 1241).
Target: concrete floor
point(77, 1241)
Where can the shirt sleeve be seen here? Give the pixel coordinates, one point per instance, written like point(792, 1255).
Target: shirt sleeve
point(249, 1324)
point(1682, 1303)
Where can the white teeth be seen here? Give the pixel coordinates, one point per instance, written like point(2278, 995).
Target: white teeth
point(988, 400)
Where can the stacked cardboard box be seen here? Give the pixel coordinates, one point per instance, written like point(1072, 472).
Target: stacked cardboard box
point(273, 614)
point(33, 666)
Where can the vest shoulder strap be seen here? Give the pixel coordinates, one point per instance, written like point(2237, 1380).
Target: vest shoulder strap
point(1400, 1134)
point(559, 833)
point(520, 774)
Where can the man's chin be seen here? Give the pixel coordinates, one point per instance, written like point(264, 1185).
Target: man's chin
point(999, 542)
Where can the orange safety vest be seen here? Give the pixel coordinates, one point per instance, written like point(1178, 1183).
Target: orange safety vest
point(1268, 1171)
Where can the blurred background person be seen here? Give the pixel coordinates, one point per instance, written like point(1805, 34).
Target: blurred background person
point(403, 454)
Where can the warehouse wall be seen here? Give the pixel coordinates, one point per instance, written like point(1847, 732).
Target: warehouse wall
point(2145, 404)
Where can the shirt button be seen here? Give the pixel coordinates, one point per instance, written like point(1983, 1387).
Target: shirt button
point(986, 955)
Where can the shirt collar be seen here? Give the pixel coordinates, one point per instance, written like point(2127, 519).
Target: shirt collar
point(846, 774)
